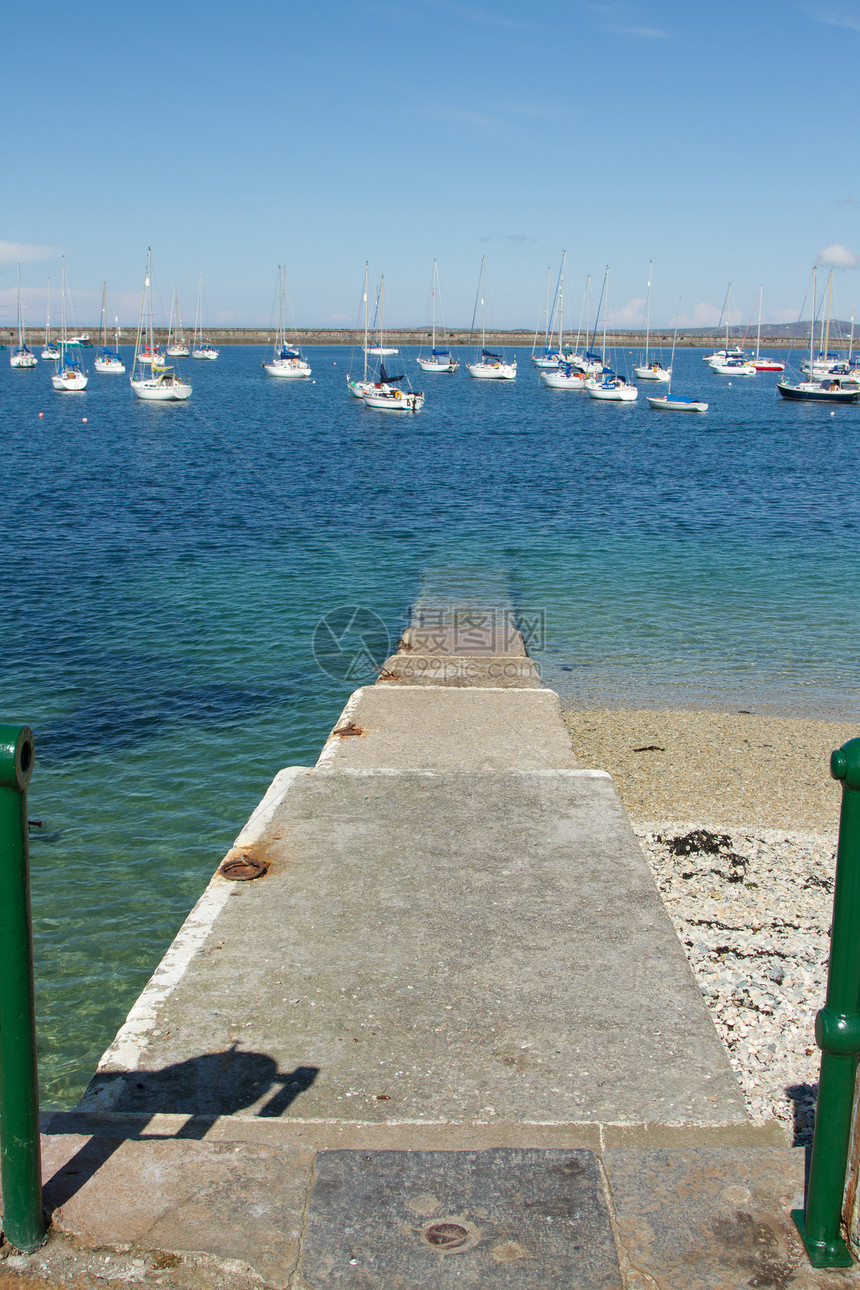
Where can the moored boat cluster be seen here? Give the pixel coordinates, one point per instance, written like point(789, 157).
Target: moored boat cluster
point(579, 366)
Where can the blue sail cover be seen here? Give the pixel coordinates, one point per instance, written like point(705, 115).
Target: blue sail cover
point(441, 353)
point(286, 352)
point(385, 379)
point(488, 353)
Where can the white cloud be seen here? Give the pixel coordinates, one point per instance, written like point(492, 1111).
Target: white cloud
point(832, 17)
point(837, 256)
point(24, 253)
point(703, 315)
point(630, 315)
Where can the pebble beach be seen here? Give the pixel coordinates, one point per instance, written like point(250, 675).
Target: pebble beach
point(738, 818)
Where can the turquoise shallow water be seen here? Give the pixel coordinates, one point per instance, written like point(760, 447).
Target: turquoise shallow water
point(167, 568)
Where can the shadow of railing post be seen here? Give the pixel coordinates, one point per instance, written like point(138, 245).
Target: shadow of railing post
point(23, 1222)
point(837, 1033)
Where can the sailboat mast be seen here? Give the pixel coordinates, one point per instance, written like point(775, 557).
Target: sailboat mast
point(435, 280)
point(48, 317)
point(381, 310)
point(851, 338)
point(812, 332)
point(366, 271)
point(599, 303)
point(648, 312)
point(149, 299)
point(20, 314)
point(63, 312)
point(674, 341)
point(561, 304)
point(829, 303)
point(758, 332)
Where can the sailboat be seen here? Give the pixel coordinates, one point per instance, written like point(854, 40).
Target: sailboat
point(107, 360)
point(51, 352)
point(760, 362)
point(201, 349)
point(286, 361)
point(439, 360)
point(21, 356)
point(828, 390)
point(729, 361)
point(176, 346)
point(380, 348)
point(162, 385)
point(650, 371)
point(552, 357)
point(667, 402)
point(358, 388)
point(608, 386)
point(385, 393)
point(69, 373)
point(561, 373)
point(487, 366)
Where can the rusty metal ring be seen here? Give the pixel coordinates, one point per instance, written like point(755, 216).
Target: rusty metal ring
point(243, 868)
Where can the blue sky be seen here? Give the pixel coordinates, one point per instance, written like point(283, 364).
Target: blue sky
point(715, 141)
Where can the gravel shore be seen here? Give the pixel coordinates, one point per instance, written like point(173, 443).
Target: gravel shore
point(738, 817)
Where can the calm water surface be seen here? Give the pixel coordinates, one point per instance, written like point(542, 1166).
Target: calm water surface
point(166, 568)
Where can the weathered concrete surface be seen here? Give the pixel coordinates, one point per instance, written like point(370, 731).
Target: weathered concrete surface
point(510, 1218)
point(436, 728)
point(713, 1219)
point(685, 1219)
point(436, 947)
point(460, 671)
point(232, 1201)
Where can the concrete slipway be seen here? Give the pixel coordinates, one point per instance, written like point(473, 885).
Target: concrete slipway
point(448, 1037)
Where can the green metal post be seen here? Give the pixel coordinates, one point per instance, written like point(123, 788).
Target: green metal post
point(837, 1033)
point(23, 1222)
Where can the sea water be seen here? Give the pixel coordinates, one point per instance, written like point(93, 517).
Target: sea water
point(191, 591)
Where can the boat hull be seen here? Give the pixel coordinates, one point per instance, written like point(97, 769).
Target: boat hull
point(809, 392)
point(394, 400)
point(613, 393)
point(653, 372)
point(732, 369)
point(210, 354)
point(663, 403)
point(23, 358)
point(492, 371)
point(358, 389)
point(160, 390)
point(178, 351)
point(430, 365)
point(287, 369)
point(70, 380)
point(563, 381)
point(109, 365)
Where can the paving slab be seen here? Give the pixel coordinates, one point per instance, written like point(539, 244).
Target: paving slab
point(713, 1219)
point(460, 671)
point(432, 948)
point(437, 728)
point(504, 1220)
point(464, 629)
point(231, 1201)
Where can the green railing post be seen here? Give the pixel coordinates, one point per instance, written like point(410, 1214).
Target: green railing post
point(23, 1222)
point(837, 1033)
